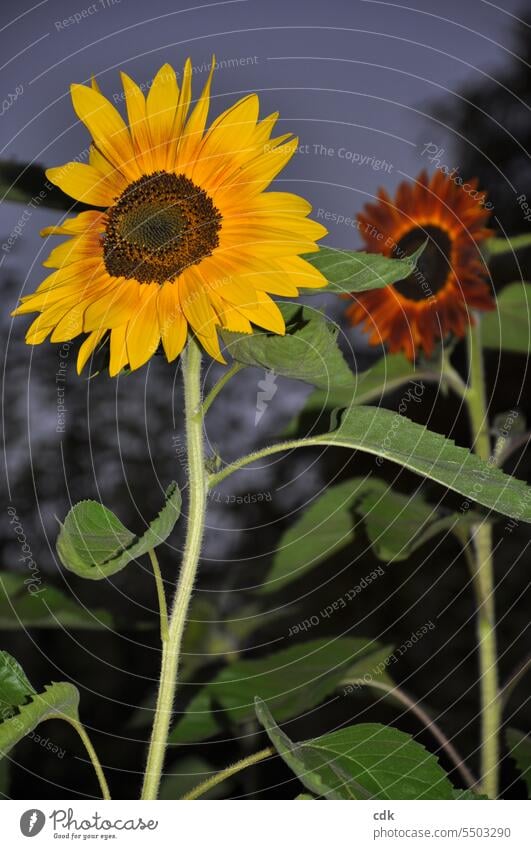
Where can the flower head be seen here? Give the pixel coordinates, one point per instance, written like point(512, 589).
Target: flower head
point(185, 237)
point(436, 299)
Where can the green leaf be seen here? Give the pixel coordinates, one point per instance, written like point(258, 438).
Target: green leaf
point(325, 527)
point(509, 327)
point(356, 271)
point(15, 689)
point(392, 436)
point(58, 701)
point(94, 544)
point(307, 352)
point(498, 246)
point(386, 375)
point(292, 680)
point(367, 761)
point(398, 524)
point(520, 750)
point(23, 604)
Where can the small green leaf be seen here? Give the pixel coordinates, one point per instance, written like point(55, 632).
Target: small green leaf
point(398, 524)
point(509, 327)
point(396, 438)
point(307, 352)
point(15, 689)
point(366, 761)
point(94, 544)
point(368, 386)
point(520, 750)
point(27, 605)
point(58, 701)
point(292, 680)
point(356, 271)
point(499, 246)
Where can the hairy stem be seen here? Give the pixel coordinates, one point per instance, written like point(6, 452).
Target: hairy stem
point(211, 782)
point(483, 580)
point(216, 389)
point(161, 595)
point(104, 787)
point(196, 520)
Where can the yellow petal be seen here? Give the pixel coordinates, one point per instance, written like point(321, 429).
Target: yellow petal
point(265, 313)
point(138, 123)
point(107, 128)
point(86, 183)
point(82, 223)
point(172, 323)
point(143, 333)
point(195, 304)
point(115, 307)
point(227, 143)
point(79, 247)
point(161, 107)
point(302, 273)
point(86, 349)
point(118, 353)
point(210, 343)
point(195, 126)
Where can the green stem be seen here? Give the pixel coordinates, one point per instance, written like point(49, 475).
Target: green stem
point(207, 785)
point(216, 389)
point(159, 583)
point(196, 521)
point(483, 579)
point(402, 697)
point(92, 755)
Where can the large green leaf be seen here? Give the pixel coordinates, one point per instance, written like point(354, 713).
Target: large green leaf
point(356, 271)
point(94, 544)
point(15, 689)
point(292, 680)
point(308, 351)
point(509, 327)
point(392, 436)
point(43, 607)
point(58, 701)
point(324, 528)
point(367, 761)
point(520, 749)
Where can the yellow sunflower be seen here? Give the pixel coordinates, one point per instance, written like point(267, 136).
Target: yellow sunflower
point(185, 237)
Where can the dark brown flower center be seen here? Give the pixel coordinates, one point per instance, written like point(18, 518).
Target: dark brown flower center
point(160, 225)
point(433, 265)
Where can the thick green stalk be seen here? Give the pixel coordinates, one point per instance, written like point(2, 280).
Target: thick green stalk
point(196, 521)
point(483, 580)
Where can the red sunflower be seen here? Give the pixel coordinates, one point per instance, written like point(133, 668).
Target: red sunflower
point(450, 279)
